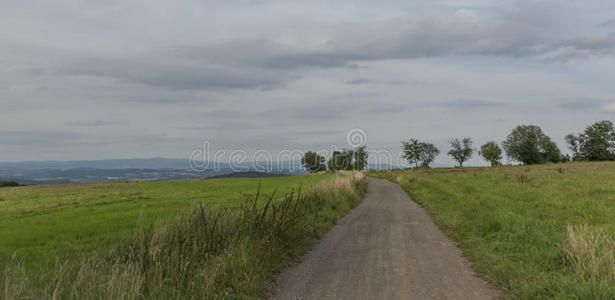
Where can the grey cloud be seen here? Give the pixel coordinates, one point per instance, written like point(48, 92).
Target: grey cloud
point(96, 123)
point(269, 61)
point(581, 103)
point(608, 23)
point(359, 81)
point(470, 103)
point(499, 36)
point(319, 132)
point(369, 81)
point(174, 74)
point(383, 108)
point(39, 139)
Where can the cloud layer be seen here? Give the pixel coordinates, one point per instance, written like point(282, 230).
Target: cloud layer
point(132, 74)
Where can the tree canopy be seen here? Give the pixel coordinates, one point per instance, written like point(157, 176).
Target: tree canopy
point(461, 150)
point(419, 153)
point(313, 162)
point(491, 152)
point(596, 143)
point(529, 145)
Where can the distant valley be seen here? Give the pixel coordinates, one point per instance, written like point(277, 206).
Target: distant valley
point(153, 169)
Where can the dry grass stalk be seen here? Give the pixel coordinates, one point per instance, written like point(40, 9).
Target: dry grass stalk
point(591, 252)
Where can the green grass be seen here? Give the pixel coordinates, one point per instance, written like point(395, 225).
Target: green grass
point(230, 249)
point(38, 222)
point(511, 222)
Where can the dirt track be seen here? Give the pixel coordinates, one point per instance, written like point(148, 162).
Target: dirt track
point(386, 248)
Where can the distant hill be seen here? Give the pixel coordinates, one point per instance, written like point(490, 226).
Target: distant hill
point(16, 168)
point(150, 169)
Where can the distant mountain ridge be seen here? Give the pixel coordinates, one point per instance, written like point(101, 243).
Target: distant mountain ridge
point(130, 163)
point(149, 169)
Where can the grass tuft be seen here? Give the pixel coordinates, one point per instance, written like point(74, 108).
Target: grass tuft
point(591, 252)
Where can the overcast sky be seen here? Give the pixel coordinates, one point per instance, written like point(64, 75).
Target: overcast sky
point(126, 79)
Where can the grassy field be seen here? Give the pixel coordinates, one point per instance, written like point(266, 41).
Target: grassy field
point(40, 221)
point(535, 232)
point(229, 249)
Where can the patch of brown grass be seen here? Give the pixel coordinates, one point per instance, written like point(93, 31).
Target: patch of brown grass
point(591, 252)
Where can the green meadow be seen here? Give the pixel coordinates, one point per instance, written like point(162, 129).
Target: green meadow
point(39, 222)
point(535, 232)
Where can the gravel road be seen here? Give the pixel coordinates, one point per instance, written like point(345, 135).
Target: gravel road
point(386, 248)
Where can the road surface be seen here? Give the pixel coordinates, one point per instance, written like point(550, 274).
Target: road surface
point(386, 248)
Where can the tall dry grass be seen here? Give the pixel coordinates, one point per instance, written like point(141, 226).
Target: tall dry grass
point(347, 182)
point(591, 252)
point(203, 254)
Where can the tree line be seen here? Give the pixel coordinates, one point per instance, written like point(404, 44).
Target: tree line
point(347, 159)
point(526, 144)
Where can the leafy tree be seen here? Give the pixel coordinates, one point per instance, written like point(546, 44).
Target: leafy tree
point(360, 158)
point(461, 150)
point(596, 143)
point(412, 151)
point(313, 162)
point(429, 154)
point(491, 152)
point(336, 161)
point(341, 160)
point(416, 152)
point(574, 144)
point(529, 145)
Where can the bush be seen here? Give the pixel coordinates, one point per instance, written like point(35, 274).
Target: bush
point(9, 183)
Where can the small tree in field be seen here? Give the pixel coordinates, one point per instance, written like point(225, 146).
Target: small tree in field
point(491, 152)
point(313, 162)
point(416, 152)
point(412, 151)
point(461, 150)
point(429, 154)
point(529, 145)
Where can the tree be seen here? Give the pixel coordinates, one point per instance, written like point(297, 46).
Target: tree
point(416, 152)
point(429, 154)
point(412, 151)
point(336, 161)
point(491, 152)
point(313, 162)
point(341, 160)
point(574, 146)
point(529, 145)
point(461, 150)
point(596, 143)
point(360, 158)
